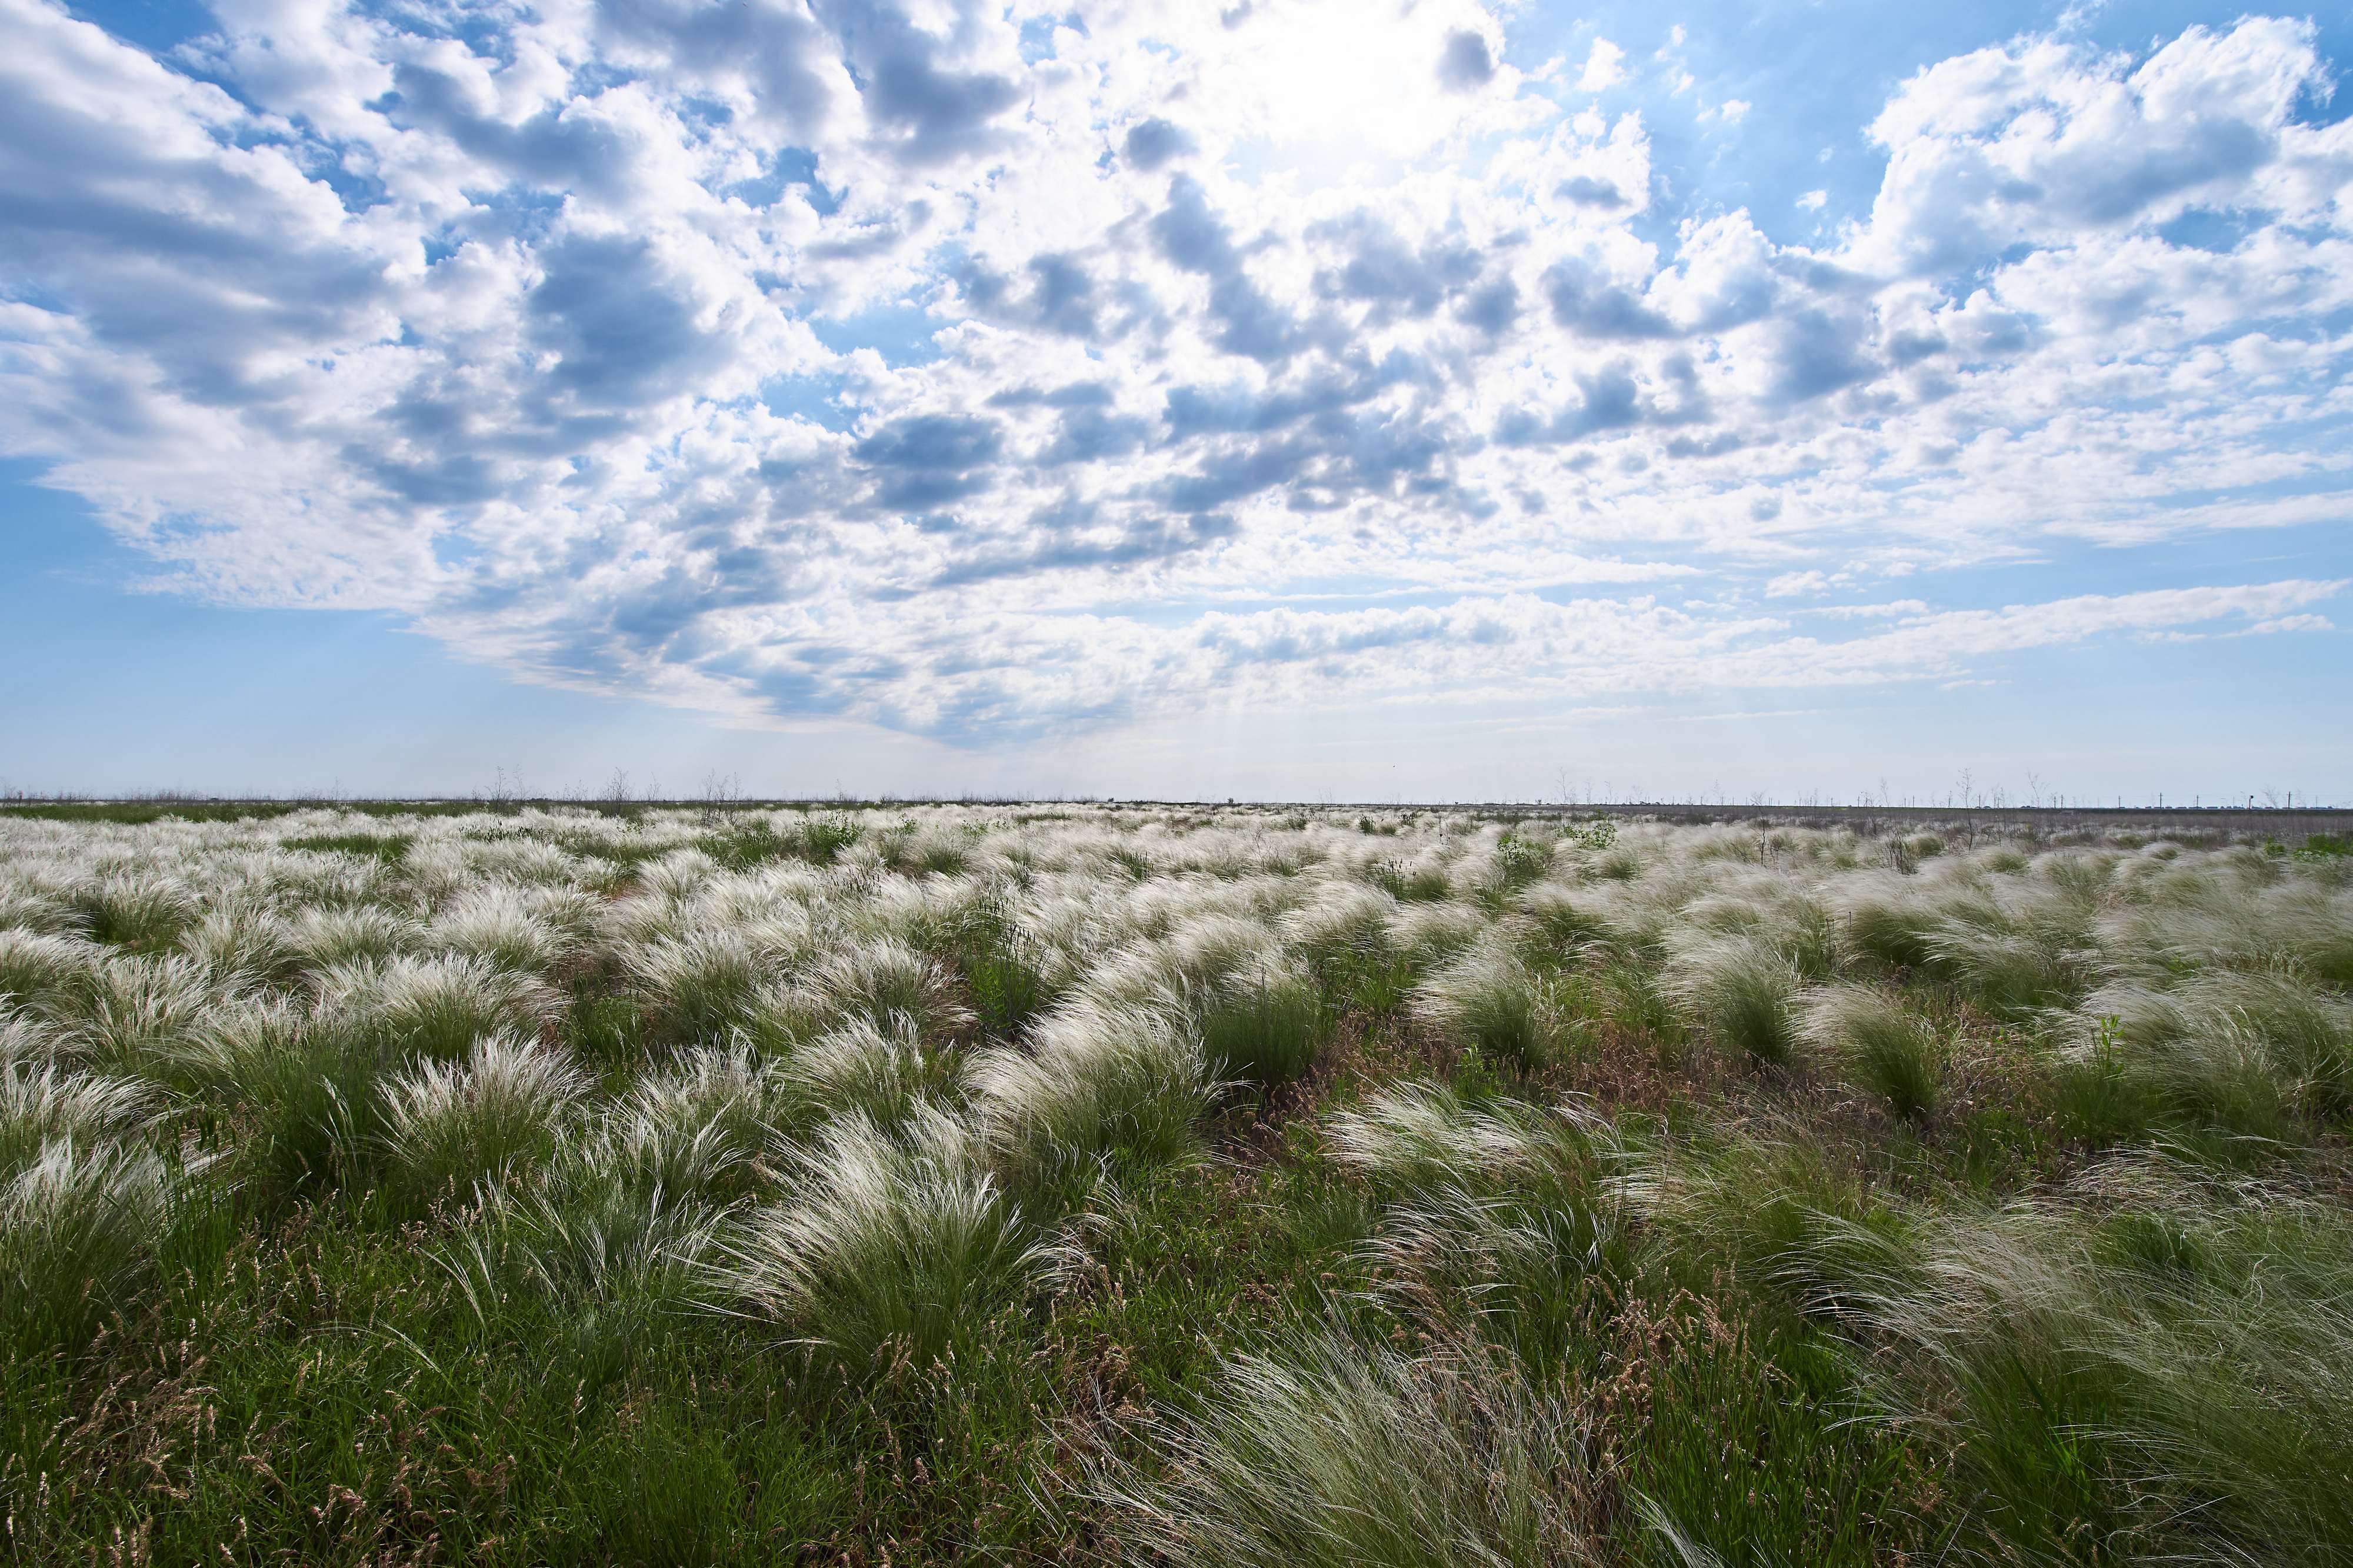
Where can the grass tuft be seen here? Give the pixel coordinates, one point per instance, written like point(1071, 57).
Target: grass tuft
point(78, 1227)
point(457, 1126)
point(1332, 1454)
point(1877, 1042)
point(890, 1250)
point(1489, 1001)
point(1738, 988)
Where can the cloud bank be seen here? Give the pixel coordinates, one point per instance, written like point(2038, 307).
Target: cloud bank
point(985, 371)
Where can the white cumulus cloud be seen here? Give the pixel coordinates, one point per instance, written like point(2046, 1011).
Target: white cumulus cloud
point(967, 370)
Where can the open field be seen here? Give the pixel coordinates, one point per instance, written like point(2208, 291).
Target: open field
point(1239, 1186)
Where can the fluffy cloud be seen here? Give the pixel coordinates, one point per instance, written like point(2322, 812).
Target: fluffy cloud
point(980, 370)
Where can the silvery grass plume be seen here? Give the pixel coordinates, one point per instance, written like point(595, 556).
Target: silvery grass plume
point(532, 862)
point(1496, 1205)
point(615, 1231)
point(1739, 988)
point(787, 892)
point(78, 1226)
point(602, 1240)
point(860, 1068)
point(1418, 877)
point(240, 944)
point(1427, 934)
point(28, 1038)
point(38, 910)
point(434, 1006)
point(456, 1127)
point(925, 914)
point(2243, 1054)
point(711, 980)
point(883, 983)
point(2241, 914)
point(38, 967)
point(301, 1087)
point(508, 926)
point(1877, 1042)
point(1487, 999)
point(892, 1249)
point(1092, 1081)
point(1342, 920)
point(1262, 1023)
point(2152, 1366)
point(1192, 958)
point(1774, 910)
point(324, 939)
point(435, 865)
point(1887, 917)
point(699, 1124)
point(136, 909)
point(931, 850)
point(1510, 861)
point(1417, 1135)
point(1333, 1454)
point(1771, 1207)
point(2312, 924)
point(1568, 917)
point(332, 880)
point(2017, 954)
point(1257, 1016)
point(2306, 1033)
point(2161, 1369)
point(130, 1013)
point(678, 875)
point(41, 1103)
point(1012, 970)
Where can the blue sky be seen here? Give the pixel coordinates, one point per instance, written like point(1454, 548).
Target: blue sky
point(1324, 401)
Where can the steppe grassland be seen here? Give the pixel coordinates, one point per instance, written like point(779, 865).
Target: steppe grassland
point(1226, 1187)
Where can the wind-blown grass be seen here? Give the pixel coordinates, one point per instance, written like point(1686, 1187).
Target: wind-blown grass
point(326, 937)
point(884, 984)
point(700, 1124)
point(988, 1182)
point(890, 1250)
point(1489, 1000)
point(1874, 1040)
point(1740, 990)
point(79, 1226)
point(435, 1008)
point(1091, 1080)
point(2242, 1053)
point(301, 1090)
point(37, 965)
point(1496, 1207)
point(1333, 1453)
point(129, 1012)
point(710, 981)
point(452, 1127)
point(2170, 1378)
point(43, 1104)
